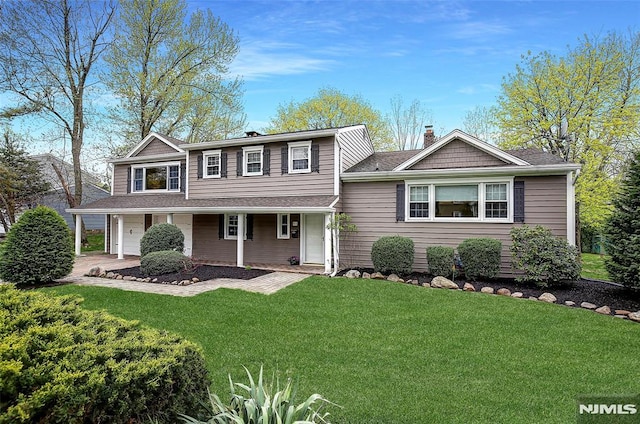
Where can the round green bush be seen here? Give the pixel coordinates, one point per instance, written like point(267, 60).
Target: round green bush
point(60, 363)
point(164, 262)
point(480, 257)
point(393, 254)
point(441, 260)
point(161, 237)
point(38, 248)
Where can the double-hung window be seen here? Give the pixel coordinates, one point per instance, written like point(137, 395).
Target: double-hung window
point(283, 225)
point(419, 201)
point(156, 177)
point(231, 227)
point(211, 161)
point(300, 157)
point(252, 158)
point(496, 201)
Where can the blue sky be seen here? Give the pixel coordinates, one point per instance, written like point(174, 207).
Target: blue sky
point(450, 55)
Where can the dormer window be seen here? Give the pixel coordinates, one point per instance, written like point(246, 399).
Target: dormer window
point(156, 177)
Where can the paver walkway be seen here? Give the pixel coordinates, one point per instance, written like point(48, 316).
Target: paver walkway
point(266, 284)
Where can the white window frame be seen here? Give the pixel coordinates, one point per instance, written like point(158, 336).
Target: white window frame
point(227, 236)
point(205, 163)
point(144, 167)
point(297, 145)
point(280, 225)
point(481, 182)
point(245, 157)
point(495, 201)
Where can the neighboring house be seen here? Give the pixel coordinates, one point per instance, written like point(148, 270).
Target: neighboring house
point(56, 197)
point(281, 191)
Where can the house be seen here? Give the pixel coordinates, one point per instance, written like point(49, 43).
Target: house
point(266, 198)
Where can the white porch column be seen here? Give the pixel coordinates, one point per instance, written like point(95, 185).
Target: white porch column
point(327, 243)
point(120, 236)
point(78, 241)
point(169, 218)
point(240, 242)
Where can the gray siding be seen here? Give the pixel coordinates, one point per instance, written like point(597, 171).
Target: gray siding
point(156, 147)
point(264, 248)
point(372, 207)
point(271, 185)
point(58, 201)
point(355, 147)
point(457, 154)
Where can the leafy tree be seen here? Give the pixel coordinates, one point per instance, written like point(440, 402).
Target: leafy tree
point(168, 68)
point(21, 180)
point(623, 229)
point(479, 122)
point(47, 52)
point(584, 107)
point(407, 123)
point(331, 108)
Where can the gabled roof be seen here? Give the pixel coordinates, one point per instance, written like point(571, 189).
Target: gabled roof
point(46, 161)
point(466, 138)
point(169, 141)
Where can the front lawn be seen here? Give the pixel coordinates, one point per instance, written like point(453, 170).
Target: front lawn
point(394, 353)
point(593, 266)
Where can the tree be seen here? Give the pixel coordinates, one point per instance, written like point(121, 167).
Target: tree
point(407, 123)
point(623, 228)
point(21, 180)
point(331, 108)
point(479, 122)
point(167, 70)
point(47, 51)
point(584, 107)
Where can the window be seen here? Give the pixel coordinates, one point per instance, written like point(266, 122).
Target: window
point(156, 177)
point(231, 227)
point(496, 204)
point(252, 160)
point(211, 161)
point(283, 226)
point(419, 201)
point(300, 157)
point(459, 201)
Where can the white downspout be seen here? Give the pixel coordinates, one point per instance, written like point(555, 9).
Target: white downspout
point(78, 240)
point(336, 252)
point(240, 241)
point(120, 236)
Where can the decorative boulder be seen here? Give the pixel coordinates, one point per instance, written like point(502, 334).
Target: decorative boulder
point(468, 287)
point(604, 310)
point(366, 275)
point(504, 292)
point(377, 276)
point(547, 297)
point(570, 303)
point(395, 278)
point(634, 316)
point(444, 283)
point(352, 273)
point(588, 305)
point(487, 290)
point(517, 295)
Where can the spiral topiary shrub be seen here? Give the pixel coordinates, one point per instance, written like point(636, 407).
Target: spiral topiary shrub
point(480, 257)
point(38, 248)
point(441, 261)
point(165, 262)
point(161, 237)
point(60, 363)
point(393, 254)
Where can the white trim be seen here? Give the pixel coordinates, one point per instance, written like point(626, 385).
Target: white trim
point(144, 177)
point(279, 226)
point(186, 177)
point(459, 135)
point(327, 243)
point(240, 240)
point(204, 210)
point(252, 149)
point(297, 144)
point(337, 165)
point(145, 142)
point(113, 176)
point(210, 153)
point(571, 210)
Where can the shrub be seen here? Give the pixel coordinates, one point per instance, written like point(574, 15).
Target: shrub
point(623, 229)
point(38, 248)
point(542, 257)
point(164, 262)
point(441, 260)
point(480, 257)
point(393, 254)
point(60, 363)
point(264, 404)
point(161, 237)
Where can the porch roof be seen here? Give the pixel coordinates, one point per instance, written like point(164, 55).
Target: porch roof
point(176, 203)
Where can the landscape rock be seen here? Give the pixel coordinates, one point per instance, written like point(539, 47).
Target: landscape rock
point(517, 295)
point(426, 284)
point(395, 278)
point(547, 297)
point(504, 292)
point(468, 287)
point(96, 271)
point(377, 276)
point(620, 316)
point(119, 277)
point(366, 275)
point(195, 279)
point(352, 273)
point(532, 298)
point(155, 280)
point(588, 305)
point(128, 278)
point(444, 283)
point(110, 275)
point(634, 316)
point(570, 303)
point(604, 310)
point(488, 290)
point(622, 312)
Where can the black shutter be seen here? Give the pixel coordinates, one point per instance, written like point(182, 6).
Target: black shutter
point(284, 159)
point(221, 226)
point(315, 157)
point(239, 164)
point(250, 227)
point(129, 180)
point(183, 176)
point(399, 202)
point(266, 162)
point(223, 165)
point(200, 166)
point(518, 201)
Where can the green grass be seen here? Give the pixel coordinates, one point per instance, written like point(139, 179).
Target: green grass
point(95, 243)
point(593, 266)
point(392, 353)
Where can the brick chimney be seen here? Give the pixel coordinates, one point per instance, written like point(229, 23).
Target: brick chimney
point(429, 136)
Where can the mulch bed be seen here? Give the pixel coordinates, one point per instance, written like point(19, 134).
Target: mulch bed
point(202, 272)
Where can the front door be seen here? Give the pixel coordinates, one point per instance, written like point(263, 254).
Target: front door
point(313, 239)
